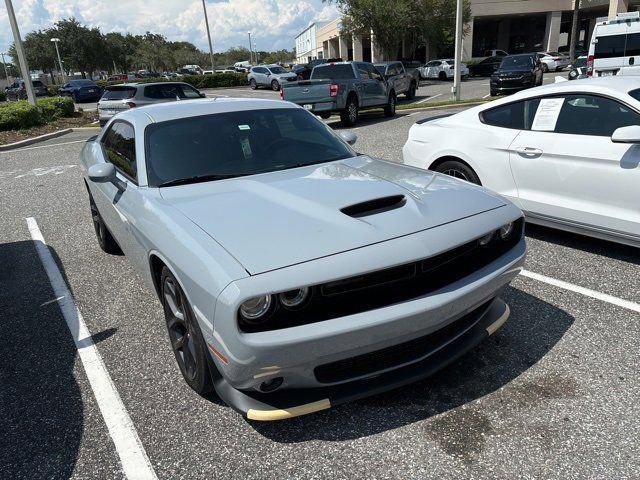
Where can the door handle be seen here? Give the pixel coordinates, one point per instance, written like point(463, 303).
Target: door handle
point(529, 152)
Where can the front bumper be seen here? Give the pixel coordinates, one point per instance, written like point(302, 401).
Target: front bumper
point(511, 85)
point(289, 403)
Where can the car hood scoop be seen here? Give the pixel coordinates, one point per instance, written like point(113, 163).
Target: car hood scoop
point(283, 218)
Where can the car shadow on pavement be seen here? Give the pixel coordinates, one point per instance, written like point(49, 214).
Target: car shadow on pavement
point(616, 251)
point(534, 328)
point(41, 407)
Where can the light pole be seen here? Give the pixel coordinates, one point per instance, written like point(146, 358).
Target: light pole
point(22, 59)
point(64, 77)
point(206, 21)
point(458, 53)
point(255, 48)
point(250, 50)
point(6, 72)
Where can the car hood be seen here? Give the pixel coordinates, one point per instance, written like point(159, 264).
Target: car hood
point(285, 75)
point(278, 219)
point(504, 72)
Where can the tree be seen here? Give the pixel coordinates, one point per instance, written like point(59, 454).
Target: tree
point(82, 49)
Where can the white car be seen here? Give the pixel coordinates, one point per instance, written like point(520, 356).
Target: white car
point(441, 69)
point(567, 153)
point(553, 61)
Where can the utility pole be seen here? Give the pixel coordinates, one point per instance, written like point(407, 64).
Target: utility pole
point(574, 30)
point(22, 59)
point(64, 77)
point(206, 21)
point(6, 72)
point(456, 90)
point(250, 50)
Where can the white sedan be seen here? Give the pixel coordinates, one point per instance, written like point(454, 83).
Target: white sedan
point(568, 153)
point(441, 69)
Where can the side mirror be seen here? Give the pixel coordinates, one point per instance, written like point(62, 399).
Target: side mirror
point(102, 173)
point(630, 134)
point(348, 136)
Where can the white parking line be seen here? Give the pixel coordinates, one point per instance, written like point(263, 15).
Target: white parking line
point(635, 307)
point(486, 96)
point(134, 459)
point(428, 98)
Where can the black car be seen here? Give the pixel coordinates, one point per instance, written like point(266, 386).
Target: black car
point(486, 67)
point(18, 90)
point(81, 90)
point(578, 69)
point(304, 71)
point(516, 72)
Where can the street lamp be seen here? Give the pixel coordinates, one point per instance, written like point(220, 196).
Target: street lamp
point(456, 90)
point(206, 21)
point(255, 48)
point(250, 49)
point(64, 77)
point(22, 59)
point(6, 72)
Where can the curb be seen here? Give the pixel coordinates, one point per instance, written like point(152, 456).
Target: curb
point(82, 129)
point(31, 141)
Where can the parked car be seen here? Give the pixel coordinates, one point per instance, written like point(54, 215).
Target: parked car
point(118, 98)
point(304, 71)
point(345, 88)
point(553, 61)
point(118, 77)
point(294, 273)
point(81, 90)
point(442, 69)
point(516, 72)
point(615, 47)
point(398, 80)
point(578, 69)
point(18, 90)
point(486, 67)
point(566, 153)
point(412, 68)
point(272, 76)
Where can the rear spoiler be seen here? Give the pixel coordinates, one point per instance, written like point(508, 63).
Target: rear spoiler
point(431, 119)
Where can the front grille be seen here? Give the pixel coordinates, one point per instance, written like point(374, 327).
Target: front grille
point(390, 286)
point(397, 355)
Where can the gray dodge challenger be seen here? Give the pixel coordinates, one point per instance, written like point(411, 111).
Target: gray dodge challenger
point(295, 273)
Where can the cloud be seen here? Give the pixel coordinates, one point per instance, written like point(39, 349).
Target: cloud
point(273, 23)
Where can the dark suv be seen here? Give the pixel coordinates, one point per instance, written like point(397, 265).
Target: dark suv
point(516, 72)
point(18, 90)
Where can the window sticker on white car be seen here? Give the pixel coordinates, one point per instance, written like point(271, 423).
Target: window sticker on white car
point(547, 114)
point(244, 127)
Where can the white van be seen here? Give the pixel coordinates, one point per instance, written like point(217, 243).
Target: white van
point(615, 47)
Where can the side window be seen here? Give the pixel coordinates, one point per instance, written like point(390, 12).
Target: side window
point(189, 92)
point(363, 71)
point(591, 115)
point(373, 73)
point(505, 116)
point(120, 149)
point(633, 45)
point(610, 46)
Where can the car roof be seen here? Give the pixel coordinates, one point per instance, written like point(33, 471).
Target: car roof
point(162, 112)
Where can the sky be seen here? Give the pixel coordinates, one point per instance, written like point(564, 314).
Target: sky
point(273, 23)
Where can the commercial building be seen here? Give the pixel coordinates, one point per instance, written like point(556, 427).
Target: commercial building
point(514, 26)
point(306, 44)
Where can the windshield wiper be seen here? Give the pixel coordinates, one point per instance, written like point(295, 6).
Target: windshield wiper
point(201, 178)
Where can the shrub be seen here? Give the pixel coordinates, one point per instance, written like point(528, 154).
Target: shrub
point(199, 81)
point(53, 108)
point(3, 96)
point(19, 115)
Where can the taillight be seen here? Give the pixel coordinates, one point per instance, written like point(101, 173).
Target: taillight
point(131, 104)
point(334, 89)
point(281, 93)
point(590, 62)
point(557, 58)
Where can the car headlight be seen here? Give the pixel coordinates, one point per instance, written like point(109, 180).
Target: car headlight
point(256, 308)
point(294, 298)
point(506, 231)
point(486, 240)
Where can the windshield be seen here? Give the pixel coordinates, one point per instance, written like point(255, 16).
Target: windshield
point(333, 72)
point(277, 70)
point(381, 68)
point(516, 62)
point(118, 93)
point(240, 143)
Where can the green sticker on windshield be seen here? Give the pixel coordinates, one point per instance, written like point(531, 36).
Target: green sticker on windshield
point(244, 127)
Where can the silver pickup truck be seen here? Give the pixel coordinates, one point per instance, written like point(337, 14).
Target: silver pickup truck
point(343, 87)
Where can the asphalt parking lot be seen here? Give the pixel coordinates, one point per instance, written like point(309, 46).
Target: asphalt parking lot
point(554, 394)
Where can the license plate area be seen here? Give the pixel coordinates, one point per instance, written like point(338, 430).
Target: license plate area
point(308, 106)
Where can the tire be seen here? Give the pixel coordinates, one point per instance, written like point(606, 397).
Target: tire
point(390, 108)
point(253, 84)
point(349, 116)
point(106, 241)
point(325, 115)
point(275, 86)
point(545, 68)
point(442, 76)
point(74, 97)
point(459, 170)
point(493, 93)
point(185, 337)
point(411, 93)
